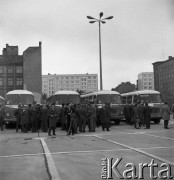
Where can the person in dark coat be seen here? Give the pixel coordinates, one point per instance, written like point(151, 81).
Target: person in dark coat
point(83, 118)
point(141, 114)
point(17, 114)
point(44, 119)
point(136, 116)
point(68, 116)
point(24, 119)
point(76, 117)
point(165, 112)
point(72, 125)
point(34, 118)
point(172, 109)
point(29, 114)
point(53, 115)
point(105, 118)
point(63, 118)
point(91, 112)
point(147, 115)
point(2, 113)
point(127, 113)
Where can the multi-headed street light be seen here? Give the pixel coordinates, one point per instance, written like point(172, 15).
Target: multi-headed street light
point(100, 20)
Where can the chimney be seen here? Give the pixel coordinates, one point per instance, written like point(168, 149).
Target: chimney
point(170, 57)
point(40, 43)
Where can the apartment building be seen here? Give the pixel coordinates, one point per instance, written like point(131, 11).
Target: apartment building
point(164, 79)
point(146, 81)
point(85, 82)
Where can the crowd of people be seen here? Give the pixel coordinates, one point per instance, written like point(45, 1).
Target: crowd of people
point(73, 118)
point(78, 118)
point(139, 114)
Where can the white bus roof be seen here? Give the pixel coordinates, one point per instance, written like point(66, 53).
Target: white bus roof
point(100, 92)
point(66, 92)
point(141, 92)
point(19, 92)
point(2, 98)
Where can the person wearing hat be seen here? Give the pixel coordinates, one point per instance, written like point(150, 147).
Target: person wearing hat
point(53, 115)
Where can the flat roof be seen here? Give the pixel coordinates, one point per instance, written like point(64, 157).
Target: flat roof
point(19, 92)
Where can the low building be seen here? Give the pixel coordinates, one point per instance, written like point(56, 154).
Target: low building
point(84, 82)
point(146, 81)
point(164, 79)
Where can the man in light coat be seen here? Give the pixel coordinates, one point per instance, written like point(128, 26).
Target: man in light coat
point(165, 112)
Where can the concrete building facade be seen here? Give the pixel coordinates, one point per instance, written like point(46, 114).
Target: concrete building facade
point(164, 79)
point(32, 65)
point(15, 69)
point(145, 81)
point(85, 82)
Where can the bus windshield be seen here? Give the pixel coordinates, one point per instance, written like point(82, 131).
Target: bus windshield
point(64, 99)
point(150, 98)
point(109, 98)
point(15, 99)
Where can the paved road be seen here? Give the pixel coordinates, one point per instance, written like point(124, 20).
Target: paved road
point(27, 156)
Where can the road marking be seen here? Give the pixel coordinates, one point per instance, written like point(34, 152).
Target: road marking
point(51, 165)
point(162, 137)
point(137, 150)
point(90, 151)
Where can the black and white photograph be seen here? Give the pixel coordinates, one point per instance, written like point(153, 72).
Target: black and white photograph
point(86, 89)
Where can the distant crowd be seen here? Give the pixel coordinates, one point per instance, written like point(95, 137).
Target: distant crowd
point(79, 118)
point(140, 114)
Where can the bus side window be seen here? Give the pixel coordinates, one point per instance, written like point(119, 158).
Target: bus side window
point(135, 100)
point(129, 99)
point(124, 99)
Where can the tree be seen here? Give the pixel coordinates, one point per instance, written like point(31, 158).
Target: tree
point(80, 91)
point(124, 87)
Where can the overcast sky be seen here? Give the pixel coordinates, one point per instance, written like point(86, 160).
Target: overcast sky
point(141, 32)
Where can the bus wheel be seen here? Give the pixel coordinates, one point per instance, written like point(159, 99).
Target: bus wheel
point(157, 121)
point(117, 122)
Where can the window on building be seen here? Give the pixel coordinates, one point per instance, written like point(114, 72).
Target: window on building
point(1, 81)
point(19, 81)
point(10, 70)
point(10, 81)
point(94, 77)
point(19, 69)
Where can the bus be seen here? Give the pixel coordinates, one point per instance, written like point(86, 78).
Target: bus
point(151, 96)
point(112, 98)
point(2, 100)
point(63, 97)
point(12, 100)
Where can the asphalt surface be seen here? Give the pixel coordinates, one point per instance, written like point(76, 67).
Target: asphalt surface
point(30, 156)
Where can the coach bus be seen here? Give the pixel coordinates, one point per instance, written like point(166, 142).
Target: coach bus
point(152, 97)
point(63, 97)
point(100, 98)
point(12, 100)
point(2, 100)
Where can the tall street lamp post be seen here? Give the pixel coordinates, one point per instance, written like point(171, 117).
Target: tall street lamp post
point(100, 20)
